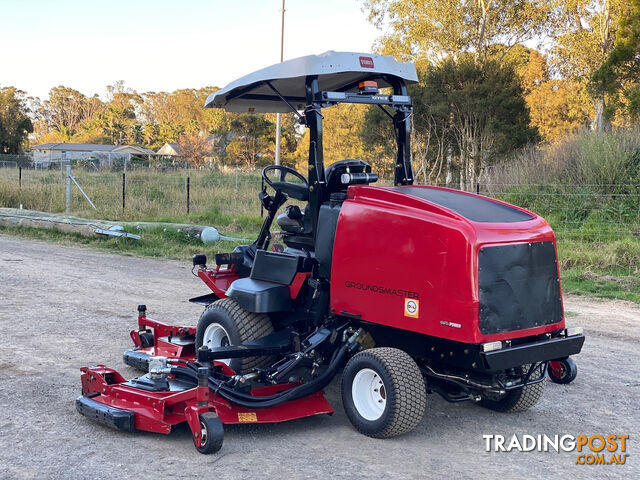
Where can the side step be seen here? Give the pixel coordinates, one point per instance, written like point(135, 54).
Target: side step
point(109, 416)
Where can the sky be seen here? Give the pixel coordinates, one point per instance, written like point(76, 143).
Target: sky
point(164, 45)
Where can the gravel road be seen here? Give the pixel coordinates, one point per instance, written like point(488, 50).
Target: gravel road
point(65, 307)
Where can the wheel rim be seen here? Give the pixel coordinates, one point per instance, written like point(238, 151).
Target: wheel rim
point(559, 370)
point(203, 434)
point(369, 394)
point(216, 336)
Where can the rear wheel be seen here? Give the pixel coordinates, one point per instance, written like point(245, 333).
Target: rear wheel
point(562, 371)
point(517, 400)
point(383, 392)
point(225, 323)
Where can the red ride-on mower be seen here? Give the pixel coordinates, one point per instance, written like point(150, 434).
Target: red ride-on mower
point(406, 289)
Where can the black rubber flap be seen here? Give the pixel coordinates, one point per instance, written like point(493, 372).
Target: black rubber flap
point(474, 208)
point(109, 416)
point(519, 287)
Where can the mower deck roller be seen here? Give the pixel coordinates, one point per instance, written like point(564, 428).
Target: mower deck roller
point(406, 289)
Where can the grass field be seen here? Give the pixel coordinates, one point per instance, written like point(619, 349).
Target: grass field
point(215, 198)
point(597, 233)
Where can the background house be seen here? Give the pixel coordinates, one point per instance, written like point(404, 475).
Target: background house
point(170, 149)
point(210, 153)
point(46, 154)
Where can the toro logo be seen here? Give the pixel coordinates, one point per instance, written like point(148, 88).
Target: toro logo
point(366, 62)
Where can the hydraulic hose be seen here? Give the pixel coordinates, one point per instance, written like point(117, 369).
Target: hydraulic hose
point(192, 375)
point(249, 401)
point(215, 384)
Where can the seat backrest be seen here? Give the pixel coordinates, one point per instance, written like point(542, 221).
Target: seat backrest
point(334, 171)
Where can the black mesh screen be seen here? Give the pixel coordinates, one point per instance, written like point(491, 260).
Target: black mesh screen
point(519, 287)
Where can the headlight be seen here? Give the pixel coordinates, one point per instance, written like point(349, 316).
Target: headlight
point(491, 346)
point(573, 331)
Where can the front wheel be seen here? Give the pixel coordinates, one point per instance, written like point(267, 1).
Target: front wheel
point(225, 323)
point(562, 371)
point(212, 433)
point(383, 392)
point(146, 339)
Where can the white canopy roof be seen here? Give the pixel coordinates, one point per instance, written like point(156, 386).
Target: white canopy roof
point(335, 70)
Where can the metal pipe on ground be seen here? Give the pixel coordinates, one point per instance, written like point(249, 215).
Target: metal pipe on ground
point(14, 217)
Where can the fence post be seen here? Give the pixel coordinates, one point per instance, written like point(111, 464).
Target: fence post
point(236, 178)
point(20, 177)
point(188, 190)
point(124, 188)
point(478, 188)
point(68, 187)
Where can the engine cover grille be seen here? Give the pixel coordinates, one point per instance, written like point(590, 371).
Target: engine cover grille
point(518, 287)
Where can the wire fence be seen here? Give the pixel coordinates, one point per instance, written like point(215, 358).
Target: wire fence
point(599, 213)
point(15, 161)
point(137, 194)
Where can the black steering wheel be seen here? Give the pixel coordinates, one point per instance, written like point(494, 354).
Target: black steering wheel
point(299, 191)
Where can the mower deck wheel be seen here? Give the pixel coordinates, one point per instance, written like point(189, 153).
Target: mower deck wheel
point(383, 392)
point(212, 433)
point(517, 400)
point(562, 371)
point(146, 339)
point(224, 322)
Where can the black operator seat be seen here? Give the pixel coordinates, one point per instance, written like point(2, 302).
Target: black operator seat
point(339, 176)
point(292, 220)
point(296, 223)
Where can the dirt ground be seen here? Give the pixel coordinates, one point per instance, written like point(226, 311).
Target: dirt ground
point(62, 308)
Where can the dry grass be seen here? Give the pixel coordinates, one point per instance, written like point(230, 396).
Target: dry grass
point(583, 159)
point(150, 195)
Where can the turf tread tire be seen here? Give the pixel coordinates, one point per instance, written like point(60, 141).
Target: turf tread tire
point(249, 326)
point(403, 383)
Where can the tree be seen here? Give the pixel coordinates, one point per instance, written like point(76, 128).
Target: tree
point(119, 117)
point(620, 72)
point(466, 115)
point(342, 127)
point(481, 107)
point(15, 124)
point(439, 29)
point(556, 106)
point(68, 115)
point(585, 33)
point(252, 139)
point(193, 148)
point(152, 119)
point(65, 110)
